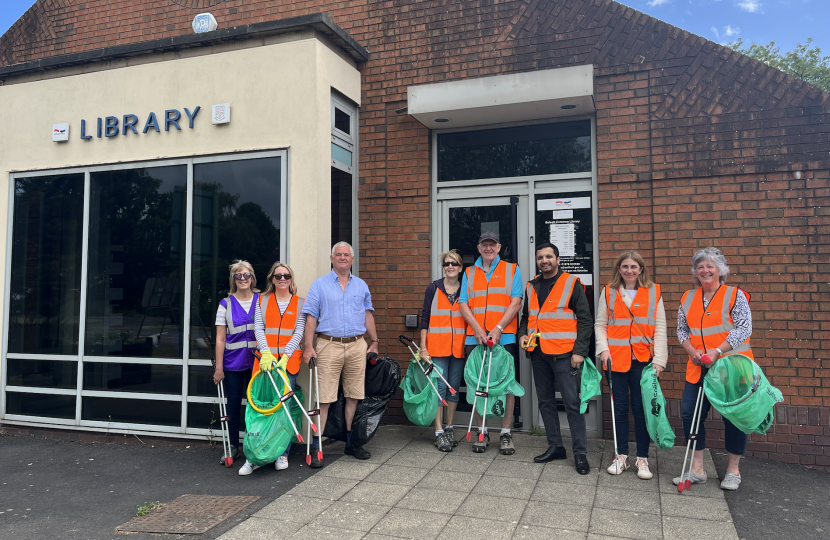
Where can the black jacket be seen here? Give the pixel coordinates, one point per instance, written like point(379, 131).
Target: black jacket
point(584, 321)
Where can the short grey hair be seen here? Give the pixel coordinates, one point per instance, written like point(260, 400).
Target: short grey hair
point(714, 255)
point(341, 244)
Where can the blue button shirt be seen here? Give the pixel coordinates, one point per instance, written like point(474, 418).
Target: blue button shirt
point(339, 313)
point(515, 292)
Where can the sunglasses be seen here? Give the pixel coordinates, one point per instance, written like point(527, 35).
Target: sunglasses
point(241, 277)
point(450, 263)
point(282, 276)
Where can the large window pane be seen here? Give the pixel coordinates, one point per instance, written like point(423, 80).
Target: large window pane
point(206, 416)
point(236, 215)
point(563, 147)
point(49, 405)
point(341, 206)
point(132, 411)
point(46, 264)
point(42, 373)
point(135, 305)
point(147, 378)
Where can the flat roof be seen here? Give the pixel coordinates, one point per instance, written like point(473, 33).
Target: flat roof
point(317, 21)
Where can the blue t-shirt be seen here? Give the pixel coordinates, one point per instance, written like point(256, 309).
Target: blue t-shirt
point(516, 292)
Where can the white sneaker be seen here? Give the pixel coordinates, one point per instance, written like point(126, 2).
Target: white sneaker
point(248, 468)
point(642, 469)
point(281, 463)
point(619, 464)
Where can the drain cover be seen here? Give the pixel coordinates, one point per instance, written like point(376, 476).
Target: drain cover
point(189, 514)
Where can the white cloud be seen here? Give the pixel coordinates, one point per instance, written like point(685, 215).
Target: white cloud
point(654, 3)
point(752, 6)
point(726, 32)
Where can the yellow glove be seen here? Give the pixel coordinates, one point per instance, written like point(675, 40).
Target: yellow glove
point(266, 363)
point(283, 363)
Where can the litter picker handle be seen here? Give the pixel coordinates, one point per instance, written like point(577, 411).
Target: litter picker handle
point(706, 360)
point(490, 342)
point(408, 342)
point(312, 362)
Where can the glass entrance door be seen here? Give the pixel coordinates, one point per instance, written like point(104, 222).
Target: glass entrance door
point(462, 222)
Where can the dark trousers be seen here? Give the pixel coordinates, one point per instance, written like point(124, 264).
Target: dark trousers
point(623, 384)
point(735, 438)
point(548, 372)
point(236, 386)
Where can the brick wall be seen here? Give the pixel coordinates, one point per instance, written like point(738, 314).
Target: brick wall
point(696, 145)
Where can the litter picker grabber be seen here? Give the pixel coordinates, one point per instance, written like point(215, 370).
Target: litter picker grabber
point(694, 428)
point(479, 393)
point(283, 399)
point(426, 370)
point(300, 405)
point(312, 380)
point(406, 341)
point(613, 415)
point(227, 458)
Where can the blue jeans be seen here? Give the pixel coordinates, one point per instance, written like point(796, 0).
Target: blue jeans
point(236, 386)
point(623, 383)
point(453, 370)
point(735, 438)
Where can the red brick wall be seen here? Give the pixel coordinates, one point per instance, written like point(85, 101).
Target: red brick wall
point(696, 145)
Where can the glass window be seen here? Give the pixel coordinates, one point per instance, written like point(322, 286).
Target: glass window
point(135, 304)
point(520, 151)
point(132, 411)
point(50, 405)
point(147, 378)
point(468, 223)
point(236, 215)
point(206, 416)
point(341, 206)
point(42, 373)
point(342, 121)
point(200, 381)
point(44, 311)
point(341, 154)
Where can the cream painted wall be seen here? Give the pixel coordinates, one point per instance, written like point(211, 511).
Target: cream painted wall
point(279, 96)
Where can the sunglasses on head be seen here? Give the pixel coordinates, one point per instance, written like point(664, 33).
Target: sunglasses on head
point(282, 276)
point(450, 263)
point(242, 276)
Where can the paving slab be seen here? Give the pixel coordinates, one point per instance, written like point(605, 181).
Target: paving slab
point(627, 480)
point(469, 528)
point(564, 493)
point(315, 532)
point(421, 460)
point(529, 532)
point(324, 487)
point(391, 474)
point(294, 508)
point(568, 475)
point(677, 528)
point(380, 454)
point(646, 502)
point(458, 463)
point(347, 468)
point(626, 523)
point(256, 528)
point(710, 489)
point(405, 523)
point(515, 469)
point(376, 493)
point(493, 508)
point(350, 515)
point(449, 480)
point(558, 516)
point(430, 500)
point(496, 486)
point(706, 508)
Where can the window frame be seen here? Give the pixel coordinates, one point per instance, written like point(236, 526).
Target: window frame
point(80, 358)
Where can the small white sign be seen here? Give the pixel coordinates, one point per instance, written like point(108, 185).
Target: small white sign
point(562, 235)
point(221, 113)
point(204, 22)
point(60, 132)
point(564, 203)
point(563, 214)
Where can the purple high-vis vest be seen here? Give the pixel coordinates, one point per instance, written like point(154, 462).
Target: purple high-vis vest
point(240, 342)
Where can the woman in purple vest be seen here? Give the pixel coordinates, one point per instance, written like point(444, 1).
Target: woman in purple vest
point(235, 342)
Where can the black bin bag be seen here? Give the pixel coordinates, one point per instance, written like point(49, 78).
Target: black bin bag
point(382, 380)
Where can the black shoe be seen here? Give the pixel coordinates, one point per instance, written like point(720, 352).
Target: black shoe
point(551, 454)
point(357, 451)
point(315, 463)
point(581, 461)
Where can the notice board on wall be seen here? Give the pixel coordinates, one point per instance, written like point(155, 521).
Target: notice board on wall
point(566, 221)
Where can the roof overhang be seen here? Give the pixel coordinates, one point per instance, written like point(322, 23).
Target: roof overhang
point(517, 97)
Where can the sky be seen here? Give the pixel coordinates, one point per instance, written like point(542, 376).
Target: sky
point(787, 22)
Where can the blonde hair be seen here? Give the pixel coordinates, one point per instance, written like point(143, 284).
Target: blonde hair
point(452, 254)
point(234, 267)
point(269, 286)
point(643, 280)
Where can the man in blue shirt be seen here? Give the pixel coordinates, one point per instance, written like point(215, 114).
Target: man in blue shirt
point(339, 314)
point(488, 262)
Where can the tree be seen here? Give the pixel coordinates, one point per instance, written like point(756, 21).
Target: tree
point(802, 62)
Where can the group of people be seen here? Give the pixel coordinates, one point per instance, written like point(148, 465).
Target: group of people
point(468, 308)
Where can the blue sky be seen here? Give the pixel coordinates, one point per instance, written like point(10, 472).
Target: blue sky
point(787, 22)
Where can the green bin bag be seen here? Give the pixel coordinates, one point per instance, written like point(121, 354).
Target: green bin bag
point(502, 379)
point(654, 405)
point(267, 435)
point(591, 384)
point(420, 401)
point(737, 388)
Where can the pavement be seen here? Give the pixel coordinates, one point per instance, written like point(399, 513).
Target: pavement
point(410, 490)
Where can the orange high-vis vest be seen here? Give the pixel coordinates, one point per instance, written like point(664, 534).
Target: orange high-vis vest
point(447, 328)
point(279, 327)
point(709, 327)
point(488, 300)
point(624, 337)
point(555, 321)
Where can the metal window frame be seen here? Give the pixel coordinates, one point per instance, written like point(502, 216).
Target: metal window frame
point(350, 143)
point(80, 358)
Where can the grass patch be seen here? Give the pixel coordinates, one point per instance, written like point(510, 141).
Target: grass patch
point(537, 431)
point(148, 507)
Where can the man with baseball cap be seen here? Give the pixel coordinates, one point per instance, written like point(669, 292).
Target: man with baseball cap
point(491, 296)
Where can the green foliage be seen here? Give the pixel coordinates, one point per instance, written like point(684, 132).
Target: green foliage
point(148, 507)
point(802, 62)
